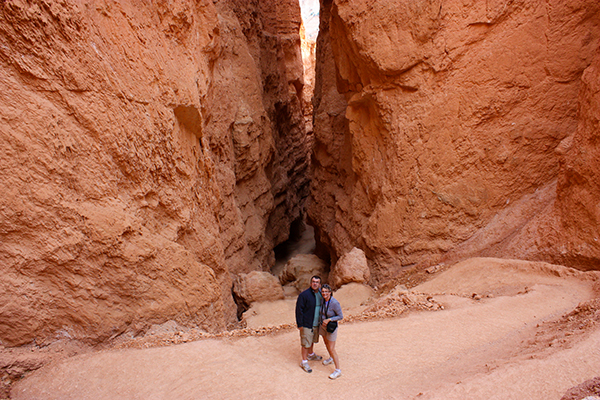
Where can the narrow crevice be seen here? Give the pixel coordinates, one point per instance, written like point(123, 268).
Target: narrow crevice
point(301, 241)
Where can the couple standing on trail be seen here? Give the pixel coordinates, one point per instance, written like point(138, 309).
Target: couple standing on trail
point(315, 308)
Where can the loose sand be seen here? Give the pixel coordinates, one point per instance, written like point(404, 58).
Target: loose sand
point(508, 330)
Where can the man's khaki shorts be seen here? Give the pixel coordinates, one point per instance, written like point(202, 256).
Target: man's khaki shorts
point(308, 337)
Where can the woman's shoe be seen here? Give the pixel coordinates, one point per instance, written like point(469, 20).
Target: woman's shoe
point(336, 374)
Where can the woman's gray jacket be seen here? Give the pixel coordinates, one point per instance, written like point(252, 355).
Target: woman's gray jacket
point(334, 310)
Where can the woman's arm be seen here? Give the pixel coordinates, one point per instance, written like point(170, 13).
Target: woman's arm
point(336, 310)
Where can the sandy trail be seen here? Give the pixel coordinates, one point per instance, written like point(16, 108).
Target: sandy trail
point(471, 350)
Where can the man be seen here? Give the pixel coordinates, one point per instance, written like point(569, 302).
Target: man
point(308, 306)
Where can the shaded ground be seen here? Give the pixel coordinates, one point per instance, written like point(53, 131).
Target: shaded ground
point(502, 330)
point(588, 388)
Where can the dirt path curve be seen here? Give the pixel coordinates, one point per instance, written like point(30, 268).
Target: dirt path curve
point(470, 350)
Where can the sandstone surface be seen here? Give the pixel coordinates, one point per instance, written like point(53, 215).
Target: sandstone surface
point(351, 267)
point(451, 129)
point(579, 181)
point(256, 286)
point(309, 61)
point(149, 151)
point(299, 270)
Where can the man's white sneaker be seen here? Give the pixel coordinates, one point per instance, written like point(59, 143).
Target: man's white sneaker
point(328, 361)
point(314, 357)
point(336, 374)
point(305, 366)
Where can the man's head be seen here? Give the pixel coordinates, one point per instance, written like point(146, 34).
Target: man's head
point(315, 283)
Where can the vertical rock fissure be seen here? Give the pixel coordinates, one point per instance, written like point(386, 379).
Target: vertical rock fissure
point(298, 174)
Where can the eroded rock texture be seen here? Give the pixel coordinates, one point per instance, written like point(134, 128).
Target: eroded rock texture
point(149, 151)
point(443, 127)
point(579, 181)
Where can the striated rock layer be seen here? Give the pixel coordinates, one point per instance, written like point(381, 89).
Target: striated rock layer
point(452, 129)
point(149, 152)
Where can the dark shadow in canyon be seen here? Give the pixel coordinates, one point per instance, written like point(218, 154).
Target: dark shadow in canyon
point(301, 241)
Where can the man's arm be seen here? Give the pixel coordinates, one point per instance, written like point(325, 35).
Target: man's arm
point(300, 306)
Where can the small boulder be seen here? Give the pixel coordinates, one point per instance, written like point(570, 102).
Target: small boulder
point(351, 267)
point(256, 286)
point(300, 268)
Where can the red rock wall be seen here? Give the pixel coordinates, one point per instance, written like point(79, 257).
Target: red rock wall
point(440, 128)
point(578, 206)
point(149, 151)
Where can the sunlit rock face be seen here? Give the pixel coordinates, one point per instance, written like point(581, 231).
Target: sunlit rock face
point(149, 153)
point(443, 127)
point(309, 46)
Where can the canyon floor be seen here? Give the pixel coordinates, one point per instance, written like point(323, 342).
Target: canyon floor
point(500, 330)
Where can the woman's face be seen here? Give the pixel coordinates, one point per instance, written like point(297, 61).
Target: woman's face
point(326, 294)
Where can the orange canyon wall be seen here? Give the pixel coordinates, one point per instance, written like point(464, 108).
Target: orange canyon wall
point(457, 128)
point(149, 152)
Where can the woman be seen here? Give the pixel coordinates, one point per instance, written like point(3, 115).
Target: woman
point(330, 311)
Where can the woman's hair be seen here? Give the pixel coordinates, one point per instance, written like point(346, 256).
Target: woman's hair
point(326, 286)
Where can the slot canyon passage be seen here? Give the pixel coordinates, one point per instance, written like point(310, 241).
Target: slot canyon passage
point(175, 171)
